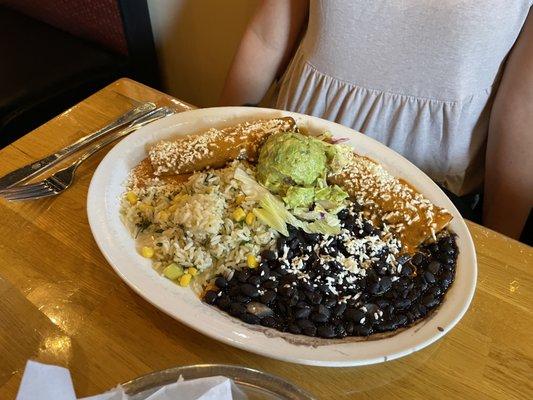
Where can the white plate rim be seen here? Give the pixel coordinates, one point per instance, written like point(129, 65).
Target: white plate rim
point(235, 333)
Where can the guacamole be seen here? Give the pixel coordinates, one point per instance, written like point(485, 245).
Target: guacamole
point(291, 159)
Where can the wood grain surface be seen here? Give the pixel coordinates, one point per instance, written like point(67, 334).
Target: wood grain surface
point(61, 303)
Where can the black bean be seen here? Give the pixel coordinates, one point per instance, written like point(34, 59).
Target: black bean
point(413, 295)
point(343, 214)
point(387, 312)
point(289, 279)
point(234, 291)
point(402, 304)
point(385, 284)
point(422, 285)
point(221, 282)
point(435, 291)
point(447, 247)
point(269, 322)
point(281, 243)
point(382, 303)
point(314, 297)
point(354, 314)
point(249, 290)
point(293, 300)
point(368, 228)
point(270, 284)
point(286, 291)
point(422, 310)
point(269, 255)
point(304, 323)
point(322, 309)
point(268, 297)
point(242, 275)
point(310, 331)
point(406, 270)
point(363, 330)
point(237, 309)
point(340, 331)
point(210, 296)
point(349, 326)
point(264, 273)
point(326, 331)
point(329, 302)
point(429, 277)
point(315, 317)
point(434, 267)
point(417, 259)
point(429, 301)
point(282, 307)
point(254, 280)
point(400, 320)
point(446, 258)
point(223, 302)
point(414, 313)
point(295, 329)
point(302, 304)
point(371, 308)
point(242, 299)
point(446, 280)
point(374, 288)
point(339, 309)
point(302, 313)
point(250, 318)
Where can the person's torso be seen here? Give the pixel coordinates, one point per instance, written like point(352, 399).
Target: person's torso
point(440, 49)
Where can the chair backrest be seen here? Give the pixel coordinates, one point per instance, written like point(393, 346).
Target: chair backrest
point(122, 26)
point(98, 21)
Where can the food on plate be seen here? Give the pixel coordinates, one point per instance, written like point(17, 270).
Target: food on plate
point(391, 200)
point(290, 231)
point(291, 160)
point(215, 147)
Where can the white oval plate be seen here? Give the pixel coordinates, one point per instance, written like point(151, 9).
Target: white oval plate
point(182, 304)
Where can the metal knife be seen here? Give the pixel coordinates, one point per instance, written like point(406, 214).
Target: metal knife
point(28, 171)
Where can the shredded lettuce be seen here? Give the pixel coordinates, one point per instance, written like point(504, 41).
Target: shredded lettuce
point(297, 196)
point(272, 210)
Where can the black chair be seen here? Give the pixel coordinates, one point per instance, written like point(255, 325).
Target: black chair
point(46, 69)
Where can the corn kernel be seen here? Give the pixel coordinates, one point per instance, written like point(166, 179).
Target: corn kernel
point(132, 198)
point(147, 252)
point(173, 271)
point(238, 214)
point(250, 218)
point(240, 199)
point(163, 216)
point(146, 208)
point(185, 279)
point(192, 271)
point(251, 261)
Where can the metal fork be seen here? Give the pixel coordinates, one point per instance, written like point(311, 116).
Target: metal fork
point(62, 179)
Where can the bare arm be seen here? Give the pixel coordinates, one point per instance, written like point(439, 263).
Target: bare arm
point(509, 160)
point(265, 50)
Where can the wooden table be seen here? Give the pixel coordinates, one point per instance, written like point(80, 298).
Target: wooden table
point(61, 303)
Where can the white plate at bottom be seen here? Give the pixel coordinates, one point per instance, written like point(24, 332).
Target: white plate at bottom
point(118, 247)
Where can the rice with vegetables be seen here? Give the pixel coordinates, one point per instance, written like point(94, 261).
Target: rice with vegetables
point(204, 224)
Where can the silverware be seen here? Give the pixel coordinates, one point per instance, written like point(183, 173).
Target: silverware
point(62, 179)
point(28, 171)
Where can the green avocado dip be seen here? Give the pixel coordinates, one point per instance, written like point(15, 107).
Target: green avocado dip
point(290, 159)
point(294, 166)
